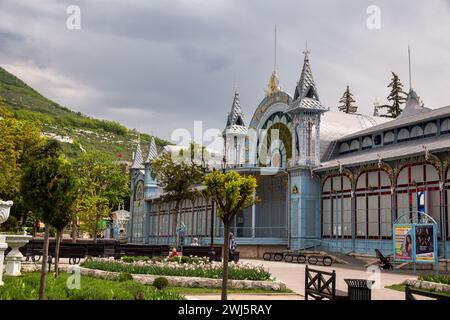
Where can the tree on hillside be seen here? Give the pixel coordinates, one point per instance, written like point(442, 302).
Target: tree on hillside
point(232, 193)
point(102, 185)
point(178, 179)
point(47, 189)
point(346, 102)
point(397, 97)
point(17, 140)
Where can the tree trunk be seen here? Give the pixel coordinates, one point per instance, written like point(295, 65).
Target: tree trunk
point(58, 243)
point(226, 250)
point(175, 224)
point(74, 230)
point(44, 263)
point(97, 219)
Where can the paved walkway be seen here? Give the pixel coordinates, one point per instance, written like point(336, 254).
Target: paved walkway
point(294, 276)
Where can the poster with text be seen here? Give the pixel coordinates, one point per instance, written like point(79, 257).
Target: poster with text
point(425, 243)
point(403, 243)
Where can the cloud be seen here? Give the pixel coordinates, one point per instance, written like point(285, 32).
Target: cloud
point(160, 65)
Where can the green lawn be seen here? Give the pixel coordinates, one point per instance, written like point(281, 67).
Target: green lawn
point(26, 287)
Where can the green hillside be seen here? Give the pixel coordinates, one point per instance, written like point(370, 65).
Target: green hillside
point(79, 131)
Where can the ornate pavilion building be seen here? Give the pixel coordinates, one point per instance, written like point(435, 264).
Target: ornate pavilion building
point(326, 180)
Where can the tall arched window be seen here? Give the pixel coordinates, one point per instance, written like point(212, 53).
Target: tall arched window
point(416, 180)
point(373, 205)
point(336, 207)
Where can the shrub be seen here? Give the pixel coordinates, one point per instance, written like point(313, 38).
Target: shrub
point(130, 259)
point(124, 276)
point(160, 283)
point(445, 279)
point(185, 259)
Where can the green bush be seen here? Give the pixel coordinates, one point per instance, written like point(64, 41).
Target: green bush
point(185, 259)
point(130, 259)
point(160, 283)
point(124, 276)
point(445, 279)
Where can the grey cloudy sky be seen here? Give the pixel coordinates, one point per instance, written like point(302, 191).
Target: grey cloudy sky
point(160, 65)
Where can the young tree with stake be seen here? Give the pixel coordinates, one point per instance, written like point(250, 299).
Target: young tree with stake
point(232, 193)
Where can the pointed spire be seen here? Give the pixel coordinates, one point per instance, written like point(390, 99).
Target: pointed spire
point(235, 121)
point(306, 96)
point(274, 84)
point(236, 117)
point(138, 160)
point(152, 152)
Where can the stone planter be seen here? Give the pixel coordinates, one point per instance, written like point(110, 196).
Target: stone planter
point(189, 282)
point(5, 207)
point(15, 257)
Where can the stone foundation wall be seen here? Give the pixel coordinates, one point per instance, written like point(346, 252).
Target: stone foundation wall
point(191, 282)
point(257, 251)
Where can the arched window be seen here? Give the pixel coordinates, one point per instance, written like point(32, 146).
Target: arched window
point(367, 143)
point(373, 205)
point(336, 207)
point(415, 183)
point(445, 126)
point(354, 145)
point(403, 135)
point(344, 147)
point(430, 129)
point(389, 138)
point(416, 132)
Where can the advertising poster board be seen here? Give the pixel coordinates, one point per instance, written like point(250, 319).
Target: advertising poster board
point(425, 243)
point(403, 245)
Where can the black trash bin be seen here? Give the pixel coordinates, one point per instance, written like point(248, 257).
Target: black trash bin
point(359, 289)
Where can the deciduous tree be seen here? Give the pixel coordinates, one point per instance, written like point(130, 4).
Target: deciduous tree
point(232, 193)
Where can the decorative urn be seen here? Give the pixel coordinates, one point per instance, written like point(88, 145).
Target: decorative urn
point(5, 207)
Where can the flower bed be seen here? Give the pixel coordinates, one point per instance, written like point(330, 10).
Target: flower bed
point(196, 267)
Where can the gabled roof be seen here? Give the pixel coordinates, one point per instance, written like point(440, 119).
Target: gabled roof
point(235, 121)
point(152, 152)
point(138, 160)
point(306, 96)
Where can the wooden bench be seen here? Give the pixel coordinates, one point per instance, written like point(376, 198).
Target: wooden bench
point(383, 262)
point(202, 251)
point(411, 291)
point(140, 250)
point(321, 285)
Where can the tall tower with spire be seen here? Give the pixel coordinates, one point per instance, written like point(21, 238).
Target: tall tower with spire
point(150, 182)
point(306, 110)
point(234, 134)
